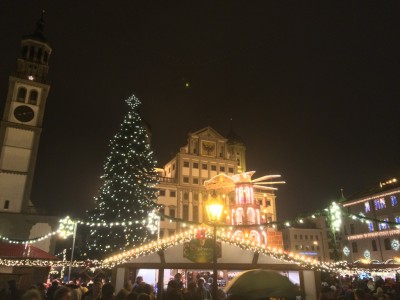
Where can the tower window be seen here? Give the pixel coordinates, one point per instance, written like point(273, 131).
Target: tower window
point(21, 94)
point(33, 96)
point(24, 51)
point(31, 53)
point(39, 54)
point(7, 204)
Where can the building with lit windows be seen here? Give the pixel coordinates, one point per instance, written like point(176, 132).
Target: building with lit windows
point(373, 240)
point(207, 154)
point(310, 239)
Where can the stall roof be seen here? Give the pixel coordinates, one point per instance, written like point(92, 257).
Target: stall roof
point(22, 251)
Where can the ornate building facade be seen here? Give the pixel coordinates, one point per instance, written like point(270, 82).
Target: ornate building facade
point(207, 155)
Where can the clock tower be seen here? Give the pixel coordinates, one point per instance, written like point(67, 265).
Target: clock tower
point(21, 125)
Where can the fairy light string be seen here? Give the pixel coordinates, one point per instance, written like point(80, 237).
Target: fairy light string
point(66, 224)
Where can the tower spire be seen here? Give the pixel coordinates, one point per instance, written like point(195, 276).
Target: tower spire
point(40, 24)
point(38, 34)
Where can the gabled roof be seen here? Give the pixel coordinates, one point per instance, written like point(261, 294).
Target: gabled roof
point(207, 132)
point(169, 252)
point(375, 190)
point(22, 251)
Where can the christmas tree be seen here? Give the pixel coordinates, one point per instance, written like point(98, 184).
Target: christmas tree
point(128, 192)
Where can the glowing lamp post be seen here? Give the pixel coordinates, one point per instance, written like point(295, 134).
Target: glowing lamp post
point(214, 209)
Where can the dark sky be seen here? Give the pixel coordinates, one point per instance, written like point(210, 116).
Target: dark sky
point(312, 86)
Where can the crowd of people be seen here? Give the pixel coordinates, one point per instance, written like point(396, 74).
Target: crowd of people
point(97, 290)
point(353, 288)
point(345, 288)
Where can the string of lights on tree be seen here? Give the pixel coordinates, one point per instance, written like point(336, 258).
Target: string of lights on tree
point(128, 192)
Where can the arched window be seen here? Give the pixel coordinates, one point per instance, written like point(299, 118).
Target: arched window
point(255, 235)
point(238, 234)
point(251, 218)
point(239, 216)
point(21, 94)
point(33, 96)
point(387, 244)
point(6, 204)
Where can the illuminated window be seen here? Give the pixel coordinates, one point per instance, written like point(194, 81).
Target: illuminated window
point(367, 207)
point(371, 226)
point(380, 203)
point(384, 226)
point(394, 200)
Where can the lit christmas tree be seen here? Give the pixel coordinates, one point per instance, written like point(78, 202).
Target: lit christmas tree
point(128, 193)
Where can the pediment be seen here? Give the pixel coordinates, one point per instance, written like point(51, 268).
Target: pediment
point(207, 133)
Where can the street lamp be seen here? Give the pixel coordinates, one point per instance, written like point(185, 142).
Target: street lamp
point(214, 209)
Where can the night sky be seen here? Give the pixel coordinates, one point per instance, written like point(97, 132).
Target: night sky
point(312, 87)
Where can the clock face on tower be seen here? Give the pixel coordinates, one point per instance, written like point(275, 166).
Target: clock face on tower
point(24, 113)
